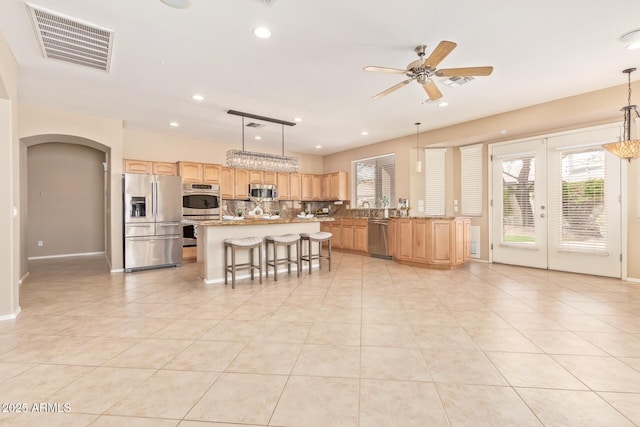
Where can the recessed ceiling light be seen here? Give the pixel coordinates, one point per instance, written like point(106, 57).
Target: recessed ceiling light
point(298, 119)
point(197, 97)
point(178, 4)
point(443, 104)
point(503, 131)
point(364, 132)
point(262, 32)
point(631, 39)
point(174, 124)
point(257, 137)
point(318, 147)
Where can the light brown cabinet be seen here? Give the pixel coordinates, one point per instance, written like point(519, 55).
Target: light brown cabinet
point(326, 187)
point(226, 183)
point(241, 184)
point(269, 178)
point(255, 177)
point(234, 183)
point(295, 186)
point(430, 242)
point(361, 235)
point(307, 186)
point(211, 173)
point(316, 193)
point(149, 167)
point(190, 171)
point(282, 180)
point(338, 185)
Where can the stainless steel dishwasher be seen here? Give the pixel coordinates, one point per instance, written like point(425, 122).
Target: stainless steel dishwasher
point(379, 238)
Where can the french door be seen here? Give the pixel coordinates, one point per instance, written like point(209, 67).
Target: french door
point(556, 203)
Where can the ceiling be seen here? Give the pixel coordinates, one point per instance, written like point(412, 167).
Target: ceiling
point(311, 67)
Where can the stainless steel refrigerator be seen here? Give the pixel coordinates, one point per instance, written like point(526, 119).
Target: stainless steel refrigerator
point(152, 221)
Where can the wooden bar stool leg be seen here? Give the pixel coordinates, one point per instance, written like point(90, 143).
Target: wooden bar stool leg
point(329, 251)
point(226, 263)
point(275, 262)
point(298, 257)
point(267, 260)
point(233, 267)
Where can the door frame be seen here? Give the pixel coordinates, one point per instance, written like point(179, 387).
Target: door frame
point(624, 202)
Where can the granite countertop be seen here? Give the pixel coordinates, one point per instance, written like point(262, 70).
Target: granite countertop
point(263, 221)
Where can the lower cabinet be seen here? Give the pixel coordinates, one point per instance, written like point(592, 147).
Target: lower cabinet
point(430, 242)
point(349, 234)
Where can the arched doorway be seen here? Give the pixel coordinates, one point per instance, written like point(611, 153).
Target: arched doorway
point(66, 189)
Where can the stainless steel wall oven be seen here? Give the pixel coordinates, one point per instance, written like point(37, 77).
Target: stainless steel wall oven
point(200, 202)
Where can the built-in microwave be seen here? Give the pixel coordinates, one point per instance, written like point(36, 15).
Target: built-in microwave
point(264, 192)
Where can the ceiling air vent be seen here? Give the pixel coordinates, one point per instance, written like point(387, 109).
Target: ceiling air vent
point(71, 40)
point(254, 125)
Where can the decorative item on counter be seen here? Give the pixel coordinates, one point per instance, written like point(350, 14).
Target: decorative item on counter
point(239, 212)
point(384, 201)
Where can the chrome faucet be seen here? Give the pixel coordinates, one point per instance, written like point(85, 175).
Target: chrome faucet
point(368, 207)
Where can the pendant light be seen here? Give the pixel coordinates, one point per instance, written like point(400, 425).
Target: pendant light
point(418, 162)
point(627, 149)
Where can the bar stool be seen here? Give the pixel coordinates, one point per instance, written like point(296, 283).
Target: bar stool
point(318, 237)
point(249, 243)
point(287, 240)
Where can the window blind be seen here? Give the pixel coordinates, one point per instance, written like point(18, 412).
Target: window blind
point(435, 160)
point(582, 197)
point(471, 180)
point(374, 179)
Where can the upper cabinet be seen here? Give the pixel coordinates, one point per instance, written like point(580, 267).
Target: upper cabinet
point(269, 178)
point(241, 184)
point(283, 186)
point(331, 186)
point(190, 171)
point(211, 173)
point(226, 183)
point(199, 172)
point(295, 186)
point(339, 183)
point(149, 167)
point(255, 177)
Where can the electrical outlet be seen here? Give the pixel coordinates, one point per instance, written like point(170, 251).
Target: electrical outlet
point(40, 243)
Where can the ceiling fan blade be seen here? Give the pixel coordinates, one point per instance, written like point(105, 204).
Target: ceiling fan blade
point(385, 70)
point(392, 88)
point(466, 71)
point(443, 49)
point(432, 90)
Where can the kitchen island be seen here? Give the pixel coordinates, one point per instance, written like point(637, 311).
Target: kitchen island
point(213, 233)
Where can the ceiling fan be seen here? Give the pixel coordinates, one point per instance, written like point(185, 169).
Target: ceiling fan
point(422, 70)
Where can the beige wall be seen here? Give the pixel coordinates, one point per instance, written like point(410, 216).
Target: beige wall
point(590, 109)
point(141, 145)
point(66, 199)
point(39, 125)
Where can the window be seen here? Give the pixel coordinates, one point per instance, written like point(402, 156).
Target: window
point(375, 181)
point(582, 197)
point(471, 179)
point(435, 160)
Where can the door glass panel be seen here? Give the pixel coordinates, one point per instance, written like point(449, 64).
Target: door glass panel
point(518, 195)
point(584, 212)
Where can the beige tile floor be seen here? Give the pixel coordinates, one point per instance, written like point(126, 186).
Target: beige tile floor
point(371, 343)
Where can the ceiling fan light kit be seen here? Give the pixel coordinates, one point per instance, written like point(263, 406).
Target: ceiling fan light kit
point(423, 70)
point(628, 148)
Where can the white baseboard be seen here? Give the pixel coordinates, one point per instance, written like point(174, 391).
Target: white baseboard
point(66, 255)
point(486, 261)
point(11, 316)
point(117, 270)
point(632, 279)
